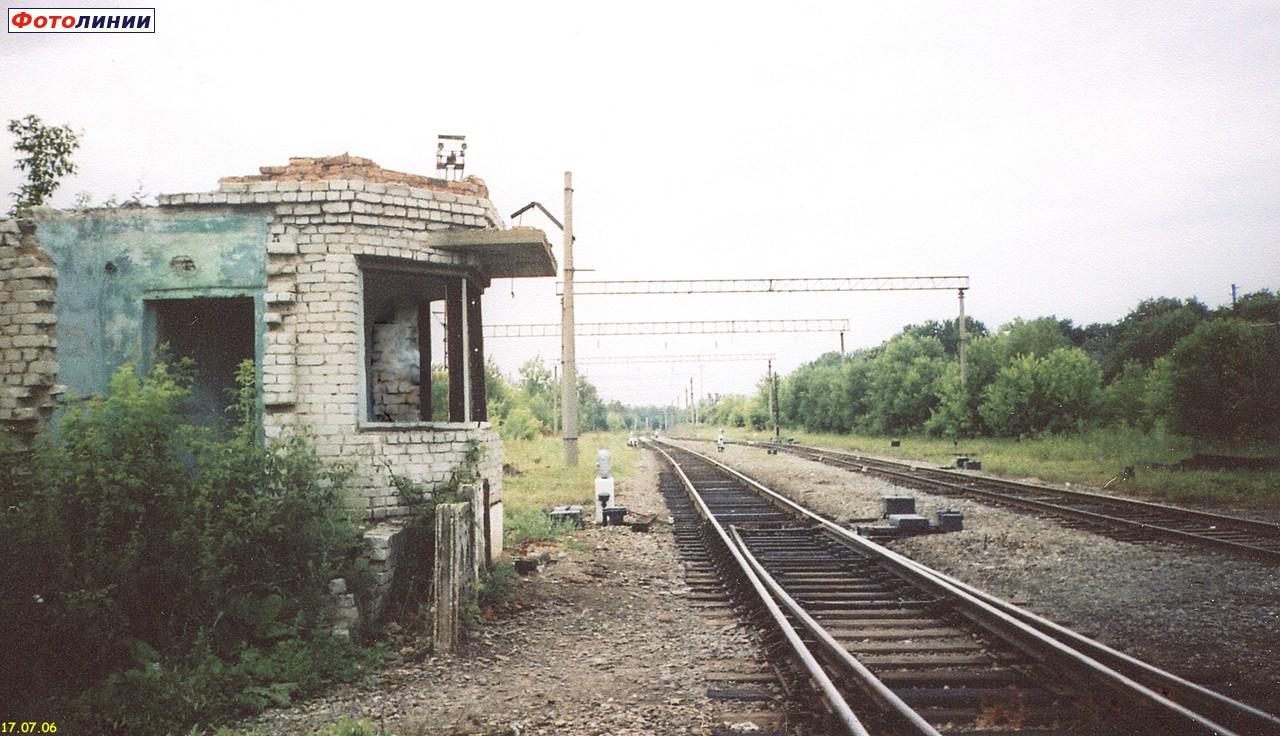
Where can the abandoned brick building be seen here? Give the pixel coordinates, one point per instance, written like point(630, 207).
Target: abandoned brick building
point(343, 281)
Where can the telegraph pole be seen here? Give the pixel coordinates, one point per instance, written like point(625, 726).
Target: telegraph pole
point(569, 379)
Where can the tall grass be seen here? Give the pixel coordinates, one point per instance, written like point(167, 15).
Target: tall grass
point(537, 480)
point(1094, 457)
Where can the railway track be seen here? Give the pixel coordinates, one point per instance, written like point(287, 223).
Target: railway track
point(896, 648)
point(1126, 518)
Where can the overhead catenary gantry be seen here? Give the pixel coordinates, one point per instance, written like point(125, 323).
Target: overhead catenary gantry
point(569, 329)
point(694, 327)
point(766, 286)
point(717, 358)
point(786, 286)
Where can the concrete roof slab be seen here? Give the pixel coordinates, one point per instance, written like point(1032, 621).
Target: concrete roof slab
point(521, 252)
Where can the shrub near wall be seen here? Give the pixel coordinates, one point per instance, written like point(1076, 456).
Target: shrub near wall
point(163, 574)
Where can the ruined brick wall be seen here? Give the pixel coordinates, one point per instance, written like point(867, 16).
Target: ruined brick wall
point(392, 362)
point(29, 387)
point(355, 168)
point(323, 215)
point(314, 339)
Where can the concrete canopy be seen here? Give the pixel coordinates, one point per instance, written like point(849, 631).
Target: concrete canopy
point(521, 252)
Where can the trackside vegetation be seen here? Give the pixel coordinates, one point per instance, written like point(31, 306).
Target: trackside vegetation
point(1171, 380)
point(1202, 374)
point(158, 575)
point(536, 480)
point(1094, 457)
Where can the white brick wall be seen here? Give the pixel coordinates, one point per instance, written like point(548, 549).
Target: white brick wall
point(314, 332)
point(29, 388)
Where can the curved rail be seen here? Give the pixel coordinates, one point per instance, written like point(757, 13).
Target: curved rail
point(1257, 539)
point(835, 699)
point(797, 544)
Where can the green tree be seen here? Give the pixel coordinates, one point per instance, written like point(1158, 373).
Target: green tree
point(758, 416)
point(1037, 337)
point(48, 152)
point(508, 407)
point(1150, 331)
point(1223, 381)
point(1092, 339)
point(592, 416)
point(542, 389)
point(948, 332)
point(903, 381)
point(1034, 394)
point(1128, 398)
point(956, 413)
point(1258, 306)
point(856, 389)
point(813, 398)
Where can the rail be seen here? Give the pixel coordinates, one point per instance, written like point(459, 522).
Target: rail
point(1256, 539)
point(1160, 702)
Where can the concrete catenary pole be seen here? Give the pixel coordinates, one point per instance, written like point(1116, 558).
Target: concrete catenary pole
point(768, 390)
point(693, 403)
point(568, 355)
point(964, 364)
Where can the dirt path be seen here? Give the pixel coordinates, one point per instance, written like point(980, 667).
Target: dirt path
point(607, 642)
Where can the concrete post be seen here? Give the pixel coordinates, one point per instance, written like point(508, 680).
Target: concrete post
point(453, 574)
point(964, 364)
point(568, 353)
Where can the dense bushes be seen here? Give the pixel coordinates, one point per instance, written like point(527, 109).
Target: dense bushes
point(1224, 381)
point(157, 574)
point(1031, 394)
point(1205, 374)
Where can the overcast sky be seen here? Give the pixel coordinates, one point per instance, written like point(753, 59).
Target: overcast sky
point(1070, 158)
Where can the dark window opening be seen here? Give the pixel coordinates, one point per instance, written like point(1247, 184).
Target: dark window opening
point(419, 331)
point(218, 335)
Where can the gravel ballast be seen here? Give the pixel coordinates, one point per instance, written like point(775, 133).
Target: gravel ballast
point(1210, 617)
point(607, 641)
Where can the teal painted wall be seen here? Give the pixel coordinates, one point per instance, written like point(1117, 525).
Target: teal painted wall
point(110, 262)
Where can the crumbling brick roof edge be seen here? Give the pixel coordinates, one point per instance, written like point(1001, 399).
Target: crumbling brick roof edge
point(351, 167)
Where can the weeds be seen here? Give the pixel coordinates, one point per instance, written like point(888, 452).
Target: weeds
point(537, 480)
point(163, 573)
point(1093, 457)
point(345, 727)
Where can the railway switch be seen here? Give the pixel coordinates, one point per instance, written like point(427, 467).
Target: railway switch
point(568, 515)
point(908, 523)
point(900, 511)
point(615, 515)
point(898, 505)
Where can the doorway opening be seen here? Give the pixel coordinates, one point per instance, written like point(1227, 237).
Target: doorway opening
point(218, 334)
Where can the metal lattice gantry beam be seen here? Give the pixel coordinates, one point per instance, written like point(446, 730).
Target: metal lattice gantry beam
point(769, 286)
point(723, 358)
point(702, 327)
